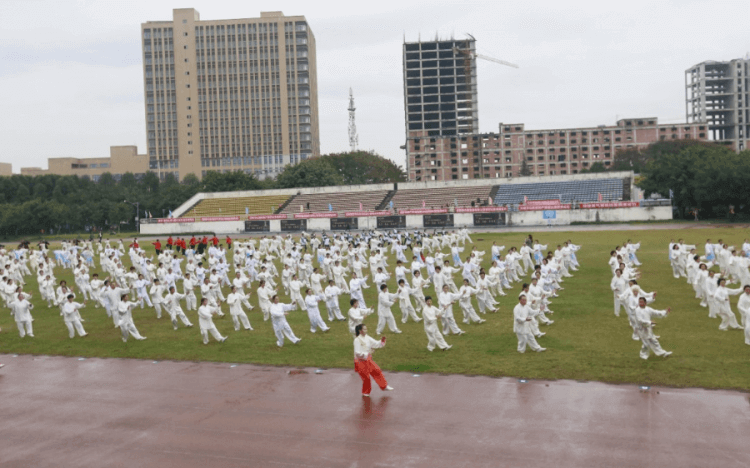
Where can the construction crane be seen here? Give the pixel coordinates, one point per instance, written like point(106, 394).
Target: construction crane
point(469, 58)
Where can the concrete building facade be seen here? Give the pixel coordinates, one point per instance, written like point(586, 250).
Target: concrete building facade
point(546, 152)
point(437, 99)
point(718, 94)
point(227, 95)
point(121, 159)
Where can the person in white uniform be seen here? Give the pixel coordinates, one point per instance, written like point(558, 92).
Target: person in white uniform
point(618, 285)
point(357, 314)
point(521, 326)
point(445, 301)
point(172, 305)
point(313, 313)
point(234, 299)
point(281, 327)
point(649, 341)
point(723, 308)
point(430, 315)
point(744, 307)
point(20, 308)
point(72, 317)
point(125, 319)
point(332, 294)
point(206, 322)
point(404, 302)
point(385, 316)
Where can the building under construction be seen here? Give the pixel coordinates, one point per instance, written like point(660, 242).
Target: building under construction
point(438, 98)
point(718, 94)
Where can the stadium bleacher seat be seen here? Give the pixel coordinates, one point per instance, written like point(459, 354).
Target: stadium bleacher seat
point(583, 191)
point(343, 201)
point(236, 206)
point(441, 197)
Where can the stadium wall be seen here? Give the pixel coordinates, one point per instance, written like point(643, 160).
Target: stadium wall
point(416, 221)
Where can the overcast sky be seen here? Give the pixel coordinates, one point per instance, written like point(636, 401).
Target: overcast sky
point(71, 78)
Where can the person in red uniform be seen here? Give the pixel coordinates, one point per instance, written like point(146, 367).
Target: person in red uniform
point(169, 243)
point(215, 240)
point(229, 243)
point(134, 244)
point(183, 245)
point(193, 241)
point(363, 363)
point(203, 244)
point(157, 246)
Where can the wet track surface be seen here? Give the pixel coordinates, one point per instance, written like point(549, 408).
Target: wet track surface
point(66, 412)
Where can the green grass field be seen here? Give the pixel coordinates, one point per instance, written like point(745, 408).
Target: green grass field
point(586, 342)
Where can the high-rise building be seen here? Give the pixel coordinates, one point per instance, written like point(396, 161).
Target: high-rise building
point(438, 98)
point(718, 94)
point(227, 95)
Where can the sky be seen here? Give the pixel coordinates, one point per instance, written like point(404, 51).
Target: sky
point(71, 70)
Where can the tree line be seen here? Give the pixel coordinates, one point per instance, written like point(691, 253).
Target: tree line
point(31, 205)
point(703, 179)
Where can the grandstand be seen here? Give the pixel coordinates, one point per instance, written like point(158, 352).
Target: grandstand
point(581, 191)
point(441, 197)
point(339, 201)
point(581, 188)
point(236, 206)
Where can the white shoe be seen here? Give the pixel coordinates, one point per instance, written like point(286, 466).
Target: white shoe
point(388, 388)
point(366, 394)
point(449, 347)
point(668, 353)
point(541, 350)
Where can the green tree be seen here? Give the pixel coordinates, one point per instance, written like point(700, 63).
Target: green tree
point(315, 172)
point(22, 194)
point(215, 181)
point(707, 177)
point(525, 170)
point(596, 167)
point(365, 167)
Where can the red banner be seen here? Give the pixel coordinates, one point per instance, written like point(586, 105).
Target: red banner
point(210, 219)
point(611, 205)
point(176, 220)
point(542, 207)
point(265, 217)
point(362, 214)
point(330, 214)
point(423, 211)
point(482, 209)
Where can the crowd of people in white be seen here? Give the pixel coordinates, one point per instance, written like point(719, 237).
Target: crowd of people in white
point(310, 269)
point(710, 286)
point(628, 294)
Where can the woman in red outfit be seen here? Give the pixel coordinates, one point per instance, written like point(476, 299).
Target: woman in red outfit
point(363, 363)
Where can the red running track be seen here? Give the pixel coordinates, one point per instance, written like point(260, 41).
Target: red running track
point(62, 412)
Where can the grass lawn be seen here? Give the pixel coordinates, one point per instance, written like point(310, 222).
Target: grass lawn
point(586, 342)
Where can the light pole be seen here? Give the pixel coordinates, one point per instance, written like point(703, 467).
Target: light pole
point(137, 215)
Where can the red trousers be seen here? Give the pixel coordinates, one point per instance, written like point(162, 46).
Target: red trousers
point(368, 368)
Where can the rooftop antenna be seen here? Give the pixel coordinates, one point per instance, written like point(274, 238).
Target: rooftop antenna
point(353, 138)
